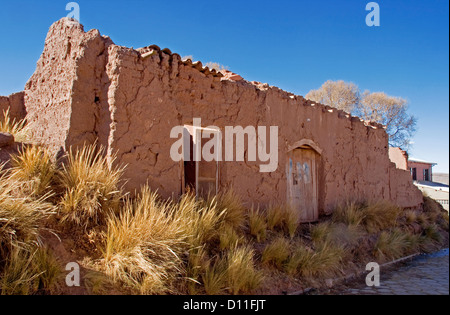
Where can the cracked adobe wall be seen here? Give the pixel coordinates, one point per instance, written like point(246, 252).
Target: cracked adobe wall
point(131, 99)
point(66, 98)
point(15, 103)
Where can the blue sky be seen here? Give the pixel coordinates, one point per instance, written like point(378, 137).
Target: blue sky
point(296, 45)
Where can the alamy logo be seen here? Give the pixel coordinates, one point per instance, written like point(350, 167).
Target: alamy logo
point(73, 277)
point(373, 278)
point(74, 13)
point(258, 149)
point(373, 18)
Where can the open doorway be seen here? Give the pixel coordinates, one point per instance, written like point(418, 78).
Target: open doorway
point(200, 175)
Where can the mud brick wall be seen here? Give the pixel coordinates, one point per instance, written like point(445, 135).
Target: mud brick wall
point(15, 103)
point(88, 89)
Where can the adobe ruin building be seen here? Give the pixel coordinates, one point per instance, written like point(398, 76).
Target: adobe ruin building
point(87, 89)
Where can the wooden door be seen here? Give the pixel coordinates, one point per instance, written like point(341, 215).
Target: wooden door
point(303, 183)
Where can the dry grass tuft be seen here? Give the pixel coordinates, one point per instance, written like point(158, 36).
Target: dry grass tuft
point(258, 224)
point(231, 204)
point(339, 234)
point(91, 188)
point(411, 216)
point(349, 214)
point(229, 237)
point(20, 218)
point(26, 272)
point(200, 221)
point(276, 253)
point(243, 277)
point(34, 168)
point(432, 233)
point(380, 216)
point(395, 244)
point(283, 218)
point(18, 129)
point(375, 216)
point(215, 277)
point(275, 217)
point(292, 221)
point(144, 245)
point(197, 261)
point(325, 261)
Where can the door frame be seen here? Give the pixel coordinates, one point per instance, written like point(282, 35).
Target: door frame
point(196, 133)
point(307, 144)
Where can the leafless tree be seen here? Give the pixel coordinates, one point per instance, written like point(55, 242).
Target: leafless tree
point(379, 107)
point(342, 95)
point(393, 113)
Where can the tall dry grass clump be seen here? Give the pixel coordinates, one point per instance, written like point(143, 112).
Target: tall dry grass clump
point(18, 128)
point(275, 216)
point(30, 271)
point(201, 222)
point(234, 272)
point(20, 217)
point(435, 213)
point(339, 234)
point(373, 216)
point(231, 204)
point(380, 216)
point(281, 217)
point(326, 260)
point(214, 277)
point(258, 224)
point(34, 168)
point(242, 274)
point(91, 188)
point(229, 237)
point(349, 214)
point(276, 253)
point(144, 245)
point(395, 244)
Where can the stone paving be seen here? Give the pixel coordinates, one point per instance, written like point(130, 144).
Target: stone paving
point(425, 275)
